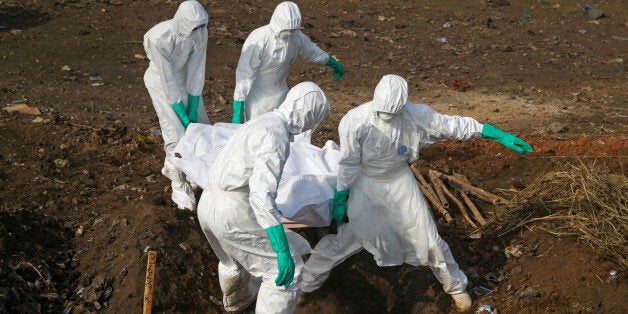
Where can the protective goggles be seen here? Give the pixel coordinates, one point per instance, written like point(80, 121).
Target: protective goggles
point(198, 27)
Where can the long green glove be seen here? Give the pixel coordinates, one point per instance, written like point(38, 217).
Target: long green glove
point(285, 264)
point(339, 70)
point(238, 105)
point(339, 208)
point(179, 109)
point(193, 107)
point(510, 141)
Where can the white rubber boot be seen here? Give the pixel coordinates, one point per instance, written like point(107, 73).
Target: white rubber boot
point(463, 301)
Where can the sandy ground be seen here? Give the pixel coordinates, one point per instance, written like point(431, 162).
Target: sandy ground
point(74, 235)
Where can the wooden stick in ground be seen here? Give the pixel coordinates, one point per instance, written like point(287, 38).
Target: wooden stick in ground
point(474, 210)
point(479, 193)
point(434, 201)
point(420, 178)
point(460, 206)
point(438, 187)
point(150, 282)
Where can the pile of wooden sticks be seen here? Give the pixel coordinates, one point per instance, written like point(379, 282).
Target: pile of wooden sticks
point(443, 188)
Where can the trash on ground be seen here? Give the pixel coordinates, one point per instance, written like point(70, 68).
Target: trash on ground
point(513, 251)
point(591, 12)
point(485, 308)
point(442, 40)
point(483, 291)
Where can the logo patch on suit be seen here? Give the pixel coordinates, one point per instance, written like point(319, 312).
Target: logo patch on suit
point(402, 150)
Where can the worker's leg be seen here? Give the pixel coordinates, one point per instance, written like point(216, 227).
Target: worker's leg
point(330, 251)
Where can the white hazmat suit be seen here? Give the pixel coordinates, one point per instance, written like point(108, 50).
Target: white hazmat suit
point(266, 57)
point(176, 74)
point(238, 204)
point(388, 215)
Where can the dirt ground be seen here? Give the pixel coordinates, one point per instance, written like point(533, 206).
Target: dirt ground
point(82, 198)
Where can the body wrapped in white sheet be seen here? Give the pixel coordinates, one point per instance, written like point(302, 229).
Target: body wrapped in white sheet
point(307, 184)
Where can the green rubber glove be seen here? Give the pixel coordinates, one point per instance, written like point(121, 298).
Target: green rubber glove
point(285, 264)
point(339, 208)
point(193, 107)
point(510, 141)
point(339, 70)
point(238, 105)
point(179, 109)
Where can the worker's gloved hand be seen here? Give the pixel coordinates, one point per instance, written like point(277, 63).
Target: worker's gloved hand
point(339, 70)
point(510, 141)
point(285, 264)
point(193, 107)
point(238, 106)
point(179, 109)
point(339, 208)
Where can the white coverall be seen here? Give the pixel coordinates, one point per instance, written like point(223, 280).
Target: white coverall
point(177, 69)
point(266, 57)
point(239, 203)
point(387, 213)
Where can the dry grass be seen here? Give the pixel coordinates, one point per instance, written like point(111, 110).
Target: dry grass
point(582, 200)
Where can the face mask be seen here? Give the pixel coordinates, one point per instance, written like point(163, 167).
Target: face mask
point(286, 34)
point(386, 116)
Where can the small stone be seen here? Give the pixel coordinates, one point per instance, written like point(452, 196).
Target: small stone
point(528, 292)
point(221, 100)
point(61, 163)
point(472, 274)
point(185, 247)
point(24, 109)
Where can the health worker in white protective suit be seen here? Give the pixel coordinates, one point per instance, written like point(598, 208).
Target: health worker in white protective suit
point(265, 60)
point(174, 79)
point(387, 214)
point(238, 213)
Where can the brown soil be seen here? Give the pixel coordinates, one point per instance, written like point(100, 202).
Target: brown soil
point(73, 236)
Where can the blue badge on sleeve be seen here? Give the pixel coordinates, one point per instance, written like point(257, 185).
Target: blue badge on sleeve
point(402, 150)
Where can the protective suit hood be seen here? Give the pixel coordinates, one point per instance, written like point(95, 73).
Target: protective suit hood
point(390, 96)
point(190, 14)
point(286, 16)
point(305, 106)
